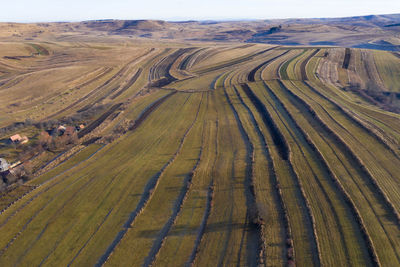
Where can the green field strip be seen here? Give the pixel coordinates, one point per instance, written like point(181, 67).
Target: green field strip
point(312, 66)
point(384, 125)
point(209, 80)
point(264, 182)
point(271, 71)
point(142, 201)
point(300, 224)
point(40, 49)
point(308, 64)
point(76, 159)
point(232, 62)
point(216, 155)
point(359, 65)
point(132, 112)
point(251, 76)
point(388, 67)
point(389, 132)
point(142, 242)
point(92, 259)
point(373, 151)
point(198, 83)
point(180, 246)
point(378, 116)
point(381, 125)
point(231, 79)
point(371, 206)
point(138, 105)
point(378, 160)
point(283, 69)
point(373, 71)
point(326, 203)
point(343, 77)
point(100, 178)
point(134, 109)
point(294, 69)
point(224, 240)
point(220, 82)
point(12, 195)
point(356, 244)
point(255, 225)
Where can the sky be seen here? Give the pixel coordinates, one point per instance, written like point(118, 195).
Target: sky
point(78, 10)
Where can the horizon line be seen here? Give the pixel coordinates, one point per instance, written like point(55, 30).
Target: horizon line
point(177, 19)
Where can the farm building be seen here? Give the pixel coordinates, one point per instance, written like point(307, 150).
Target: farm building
point(17, 139)
point(58, 131)
point(4, 166)
point(79, 127)
point(61, 128)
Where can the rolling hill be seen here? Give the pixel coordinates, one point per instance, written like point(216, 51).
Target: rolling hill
point(152, 143)
point(374, 31)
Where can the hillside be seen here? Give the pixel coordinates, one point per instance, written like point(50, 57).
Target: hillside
point(155, 143)
point(374, 32)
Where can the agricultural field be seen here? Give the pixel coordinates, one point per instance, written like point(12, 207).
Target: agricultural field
point(162, 153)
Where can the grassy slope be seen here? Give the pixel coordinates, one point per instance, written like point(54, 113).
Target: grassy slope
point(181, 241)
point(388, 66)
point(334, 196)
point(377, 158)
point(266, 193)
point(327, 205)
point(370, 204)
point(299, 222)
point(224, 239)
point(84, 188)
point(138, 242)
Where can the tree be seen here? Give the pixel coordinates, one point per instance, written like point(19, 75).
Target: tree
point(45, 140)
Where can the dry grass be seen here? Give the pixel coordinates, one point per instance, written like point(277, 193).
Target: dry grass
point(201, 166)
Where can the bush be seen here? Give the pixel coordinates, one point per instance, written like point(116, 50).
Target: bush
point(290, 253)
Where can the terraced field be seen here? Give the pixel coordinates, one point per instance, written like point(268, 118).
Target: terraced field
point(234, 155)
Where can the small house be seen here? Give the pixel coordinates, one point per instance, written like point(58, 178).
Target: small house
point(17, 139)
point(61, 129)
point(79, 127)
point(4, 166)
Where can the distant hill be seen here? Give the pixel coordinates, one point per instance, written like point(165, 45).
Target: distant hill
point(124, 25)
point(373, 31)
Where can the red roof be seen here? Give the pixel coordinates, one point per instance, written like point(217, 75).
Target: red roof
point(16, 138)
